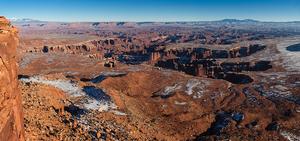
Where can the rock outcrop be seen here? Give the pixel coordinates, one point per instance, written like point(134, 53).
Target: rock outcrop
point(11, 115)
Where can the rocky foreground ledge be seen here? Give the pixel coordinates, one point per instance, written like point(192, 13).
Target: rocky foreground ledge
point(11, 115)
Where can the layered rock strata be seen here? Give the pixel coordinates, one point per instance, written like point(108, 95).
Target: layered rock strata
point(11, 115)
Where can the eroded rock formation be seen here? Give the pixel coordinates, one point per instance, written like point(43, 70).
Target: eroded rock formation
point(11, 116)
point(202, 62)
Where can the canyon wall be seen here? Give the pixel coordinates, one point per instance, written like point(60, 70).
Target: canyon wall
point(11, 115)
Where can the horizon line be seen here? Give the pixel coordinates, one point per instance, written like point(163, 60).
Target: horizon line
point(128, 21)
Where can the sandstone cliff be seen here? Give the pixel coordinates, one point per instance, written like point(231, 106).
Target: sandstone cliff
point(11, 115)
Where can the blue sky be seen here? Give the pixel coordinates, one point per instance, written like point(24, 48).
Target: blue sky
point(151, 10)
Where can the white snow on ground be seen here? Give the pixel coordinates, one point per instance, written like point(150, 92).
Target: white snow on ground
point(190, 86)
point(65, 85)
point(116, 112)
point(180, 103)
point(281, 90)
point(289, 136)
point(101, 106)
point(196, 87)
point(170, 89)
point(74, 90)
point(193, 87)
point(291, 60)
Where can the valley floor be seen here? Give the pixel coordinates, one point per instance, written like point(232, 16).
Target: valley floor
point(69, 97)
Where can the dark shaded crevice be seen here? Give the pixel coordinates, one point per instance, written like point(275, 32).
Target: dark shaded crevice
point(293, 48)
point(96, 93)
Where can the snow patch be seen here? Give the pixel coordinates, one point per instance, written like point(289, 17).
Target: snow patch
point(67, 86)
point(101, 106)
point(196, 87)
point(289, 136)
point(116, 112)
point(180, 103)
point(291, 60)
point(91, 98)
point(170, 89)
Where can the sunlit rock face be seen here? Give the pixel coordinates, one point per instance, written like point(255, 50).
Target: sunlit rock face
point(11, 116)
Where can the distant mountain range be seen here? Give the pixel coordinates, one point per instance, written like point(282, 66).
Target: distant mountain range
point(23, 20)
point(238, 21)
point(224, 21)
